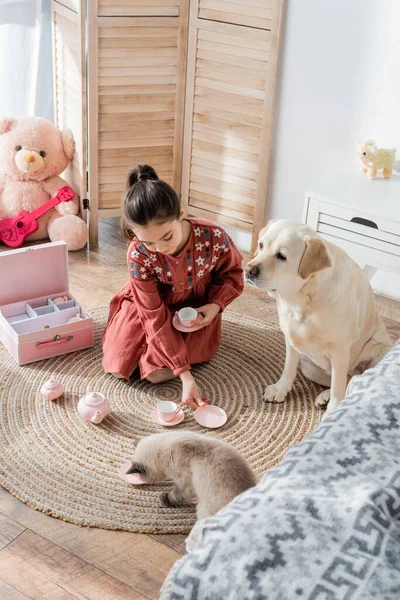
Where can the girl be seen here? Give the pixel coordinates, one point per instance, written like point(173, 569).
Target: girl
point(173, 262)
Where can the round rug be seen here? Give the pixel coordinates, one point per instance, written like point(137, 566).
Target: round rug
point(57, 463)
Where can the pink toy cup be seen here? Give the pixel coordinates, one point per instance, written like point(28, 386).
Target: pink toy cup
point(168, 410)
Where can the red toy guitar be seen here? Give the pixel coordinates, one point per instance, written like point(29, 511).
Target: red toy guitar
point(14, 230)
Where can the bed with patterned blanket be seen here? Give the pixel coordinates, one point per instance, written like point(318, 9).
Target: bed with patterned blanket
point(324, 524)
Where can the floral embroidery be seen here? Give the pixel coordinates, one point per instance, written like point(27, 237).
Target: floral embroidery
point(201, 259)
point(136, 270)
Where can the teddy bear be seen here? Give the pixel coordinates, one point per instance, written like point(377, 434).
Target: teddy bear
point(33, 153)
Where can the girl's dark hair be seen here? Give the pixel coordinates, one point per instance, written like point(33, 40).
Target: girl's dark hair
point(147, 199)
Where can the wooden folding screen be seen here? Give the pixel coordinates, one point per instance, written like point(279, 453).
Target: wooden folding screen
point(184, 85)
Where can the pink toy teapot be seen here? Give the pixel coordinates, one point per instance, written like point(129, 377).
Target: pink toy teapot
point(93, 406)
point(51, 389)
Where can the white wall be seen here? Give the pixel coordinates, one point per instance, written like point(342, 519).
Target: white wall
point(339, 83)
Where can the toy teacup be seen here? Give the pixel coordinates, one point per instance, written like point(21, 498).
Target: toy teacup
point(187, 315)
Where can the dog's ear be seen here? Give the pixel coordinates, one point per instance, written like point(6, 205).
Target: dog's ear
point(314, 259)
point(137, 468)
point(135, 443)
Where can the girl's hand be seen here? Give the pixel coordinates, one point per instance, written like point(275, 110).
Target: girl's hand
point(190, 392)
point(206, 314)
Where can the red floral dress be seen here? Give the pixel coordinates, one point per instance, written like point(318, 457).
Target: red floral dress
point(139, 329)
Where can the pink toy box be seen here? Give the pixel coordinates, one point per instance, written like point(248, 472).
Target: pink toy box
point(32, 326)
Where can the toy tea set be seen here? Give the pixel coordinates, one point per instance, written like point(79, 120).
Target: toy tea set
point(93, 407)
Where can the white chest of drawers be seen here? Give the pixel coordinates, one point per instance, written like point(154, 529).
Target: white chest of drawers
point(360, 216)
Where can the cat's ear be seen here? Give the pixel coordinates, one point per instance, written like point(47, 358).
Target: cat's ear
point(135, 443)
point(137, 468)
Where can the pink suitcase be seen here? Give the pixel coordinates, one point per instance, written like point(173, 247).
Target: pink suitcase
point(32, 326)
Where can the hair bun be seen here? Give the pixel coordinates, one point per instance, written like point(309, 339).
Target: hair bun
point(141, 173)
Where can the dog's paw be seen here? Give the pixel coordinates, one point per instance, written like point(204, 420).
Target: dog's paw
point(275, 392)
point(323, 398)
point(164, 499)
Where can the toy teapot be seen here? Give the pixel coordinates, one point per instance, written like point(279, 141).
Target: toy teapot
point(93, 406)
point(51, 389)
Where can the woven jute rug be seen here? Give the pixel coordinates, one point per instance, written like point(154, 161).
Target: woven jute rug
point(57, 463)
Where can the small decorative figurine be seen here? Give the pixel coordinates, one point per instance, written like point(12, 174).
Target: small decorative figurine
point(52, 389)
point(93, 406)
point(375, 159)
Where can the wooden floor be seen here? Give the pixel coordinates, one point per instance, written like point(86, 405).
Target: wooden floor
point(46, 559)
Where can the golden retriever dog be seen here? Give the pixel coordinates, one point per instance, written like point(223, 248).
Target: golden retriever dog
point(202, 468)
point(326, 309)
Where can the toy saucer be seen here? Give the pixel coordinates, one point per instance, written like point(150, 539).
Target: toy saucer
point(178, 325)
point(210, 416)
point(132, 478)
point(155, 415)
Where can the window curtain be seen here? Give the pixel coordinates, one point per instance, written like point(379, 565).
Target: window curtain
point(26, 73)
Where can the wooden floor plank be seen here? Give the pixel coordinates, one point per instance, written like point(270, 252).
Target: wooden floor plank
point(9, 530)
point(40, 569)
point(9, 593)
point(176, 541)
point(138, 561)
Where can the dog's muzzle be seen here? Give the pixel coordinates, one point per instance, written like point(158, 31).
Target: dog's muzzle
point(251, 274)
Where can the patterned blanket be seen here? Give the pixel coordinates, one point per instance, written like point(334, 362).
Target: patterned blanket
point(324, 524)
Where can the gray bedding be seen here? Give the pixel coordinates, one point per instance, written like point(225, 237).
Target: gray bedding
point(324, 524)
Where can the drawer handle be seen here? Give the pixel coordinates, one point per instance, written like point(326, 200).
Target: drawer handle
point(365, 222)
point(57, 339)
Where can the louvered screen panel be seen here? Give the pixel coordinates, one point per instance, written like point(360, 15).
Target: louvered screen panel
point(252, 13)
point(69, 84)
point(138, 8)
point(136, 73)
point(227, 117)
point(137, 88)
point(228, 113)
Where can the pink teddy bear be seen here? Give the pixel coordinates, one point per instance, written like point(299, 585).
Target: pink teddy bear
point(33, 152)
